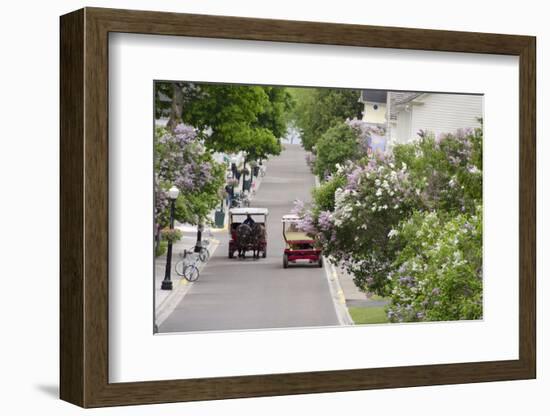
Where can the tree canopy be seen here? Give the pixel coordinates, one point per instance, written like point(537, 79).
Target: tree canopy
point(229, 118)
point(336, 146)
point(318, 109)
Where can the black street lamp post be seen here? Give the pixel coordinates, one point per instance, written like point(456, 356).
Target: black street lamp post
point(244, 174)
point(232, 188)
point(167, 282)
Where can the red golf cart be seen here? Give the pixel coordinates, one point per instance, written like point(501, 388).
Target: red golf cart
point(299, 246)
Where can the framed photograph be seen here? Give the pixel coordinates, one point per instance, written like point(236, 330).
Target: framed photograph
point(254, 207)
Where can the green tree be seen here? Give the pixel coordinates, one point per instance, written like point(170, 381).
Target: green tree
point(240, 118)
point(227, 117)
point(318, 109)
point(275, 115)
point(171, 98)
point(336, 146)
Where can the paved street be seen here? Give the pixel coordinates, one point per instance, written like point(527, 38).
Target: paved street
point(252, 294)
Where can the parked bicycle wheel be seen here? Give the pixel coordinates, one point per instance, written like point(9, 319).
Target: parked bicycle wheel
point(204, 254)
point(180, 267)
point(191, 273)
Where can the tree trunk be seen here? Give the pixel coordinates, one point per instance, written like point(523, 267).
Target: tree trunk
point(176, 111)
point(198, 244)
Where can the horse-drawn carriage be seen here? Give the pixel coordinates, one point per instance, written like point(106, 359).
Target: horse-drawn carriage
point(247, 231)
point(299, 245)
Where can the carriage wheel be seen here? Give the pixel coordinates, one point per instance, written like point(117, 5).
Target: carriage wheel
point(285, 261)
point(320, 262)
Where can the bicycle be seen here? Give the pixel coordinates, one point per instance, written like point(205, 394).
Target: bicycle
point(204, 253)
point(187, 266)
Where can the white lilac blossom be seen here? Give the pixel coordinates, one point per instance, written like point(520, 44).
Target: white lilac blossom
point(392, 233)
point(473, 169)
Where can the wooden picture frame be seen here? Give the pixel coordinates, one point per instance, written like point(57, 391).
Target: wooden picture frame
point(84, 207)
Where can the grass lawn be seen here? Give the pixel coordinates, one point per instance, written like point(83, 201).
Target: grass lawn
point(374, 315)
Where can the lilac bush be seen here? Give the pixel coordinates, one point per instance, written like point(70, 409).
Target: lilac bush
point(358, 211)
point(365, 132)
point(181, 160)
point(438, 271)
point(375, 195)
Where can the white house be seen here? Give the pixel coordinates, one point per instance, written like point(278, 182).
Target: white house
point(405, 114)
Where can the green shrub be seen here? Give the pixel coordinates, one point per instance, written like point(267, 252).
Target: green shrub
point(336, 146)
point(324, 194)
point(161, 248)
point(438, 271)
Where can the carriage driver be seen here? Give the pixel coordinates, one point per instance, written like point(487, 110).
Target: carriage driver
point(249, 221)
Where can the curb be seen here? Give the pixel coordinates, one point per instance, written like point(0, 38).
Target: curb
point(338, 298)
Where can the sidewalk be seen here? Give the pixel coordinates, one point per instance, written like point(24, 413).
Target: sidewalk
point(354, 297)
point(167, 300)
point(187, 242)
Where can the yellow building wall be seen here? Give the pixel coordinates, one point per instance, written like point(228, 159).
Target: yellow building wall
point(372, 115)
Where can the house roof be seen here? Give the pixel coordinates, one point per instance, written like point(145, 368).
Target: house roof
point(403, 97)
point(373, 96)
point(397, 98)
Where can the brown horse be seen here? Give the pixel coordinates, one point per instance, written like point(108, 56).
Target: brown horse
point(257, 240)
point(243, 235)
